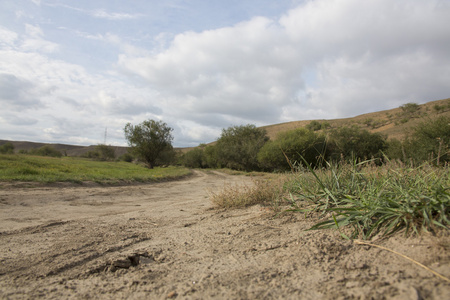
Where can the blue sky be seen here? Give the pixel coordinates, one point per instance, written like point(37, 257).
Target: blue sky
point(71, 69)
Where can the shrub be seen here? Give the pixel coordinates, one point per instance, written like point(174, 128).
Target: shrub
point(193, 158)
point(7, 148)
point(105, 152)
point(430, 139)
point(356, 143)
point(46, 151)
point(238, 146)
point(288, 148)
point(410, 108)
point(314, 126)
point(127, 157)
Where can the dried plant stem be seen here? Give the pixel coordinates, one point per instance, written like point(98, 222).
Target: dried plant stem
point(358, 242)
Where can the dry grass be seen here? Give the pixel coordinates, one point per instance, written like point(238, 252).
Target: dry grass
point(265, 191)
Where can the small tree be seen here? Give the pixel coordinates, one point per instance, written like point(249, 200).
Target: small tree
point(149, 140)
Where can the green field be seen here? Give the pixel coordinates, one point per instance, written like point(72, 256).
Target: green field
point(19, 167)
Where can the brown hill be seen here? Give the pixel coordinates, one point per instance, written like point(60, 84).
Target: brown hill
point(394, 123)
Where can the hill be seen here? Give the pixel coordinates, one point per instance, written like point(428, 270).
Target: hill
point(69, 150)
point(394, 123)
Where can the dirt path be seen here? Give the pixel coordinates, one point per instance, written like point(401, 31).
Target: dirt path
point(165, 240)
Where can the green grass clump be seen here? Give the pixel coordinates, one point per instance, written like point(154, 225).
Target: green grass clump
point(373, 199)
point(73, 169)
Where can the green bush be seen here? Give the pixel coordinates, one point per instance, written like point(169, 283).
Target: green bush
point(429, 140)
point(193, 158)
point(288, 148)
point(46, 151)
point(410, 108)
point(238, 146)
point(356, 143)
point(127, 157)
point(105, 152)
point(7, 148)
point(210, 158)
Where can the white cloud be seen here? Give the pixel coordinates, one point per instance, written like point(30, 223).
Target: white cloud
point(7, 38)
point(325, 58)
point(114, 16)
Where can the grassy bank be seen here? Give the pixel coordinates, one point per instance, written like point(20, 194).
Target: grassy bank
point(72, 169)
point(359, 199)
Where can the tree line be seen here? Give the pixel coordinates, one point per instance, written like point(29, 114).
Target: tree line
point(248, 148)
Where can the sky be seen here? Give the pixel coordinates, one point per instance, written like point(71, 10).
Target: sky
point(76, 72)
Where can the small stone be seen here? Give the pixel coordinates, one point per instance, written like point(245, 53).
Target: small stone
point(172, 294)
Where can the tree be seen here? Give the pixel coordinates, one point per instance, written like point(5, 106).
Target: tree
point(238, 147)
point(149, 140)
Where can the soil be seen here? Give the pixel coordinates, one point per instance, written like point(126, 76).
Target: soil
point(166, 240)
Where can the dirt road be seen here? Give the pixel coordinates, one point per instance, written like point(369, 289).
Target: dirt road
point(165, 240)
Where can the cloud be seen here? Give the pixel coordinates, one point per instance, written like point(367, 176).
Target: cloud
point(325, 58)
point(245, 71)
point(18, 92)
point(102, 14)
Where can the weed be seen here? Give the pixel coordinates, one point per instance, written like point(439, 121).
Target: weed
point(373, 199)
point(267, 191)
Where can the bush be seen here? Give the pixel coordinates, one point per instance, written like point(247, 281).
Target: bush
point(287, 150)
point(210, 159)
point(356, 143)
point(7, 148)
point(410, 108)
point(429, 140)
point(127, 157)
point(314, 126)
point(46, 151)
point(193, 158)
point(105, 152)
point(238, 146)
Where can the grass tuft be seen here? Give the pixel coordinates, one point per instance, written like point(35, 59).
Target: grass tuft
point(374, 200)
point(261, 191)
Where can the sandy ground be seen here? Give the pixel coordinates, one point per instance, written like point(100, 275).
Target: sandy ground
point(165, 240)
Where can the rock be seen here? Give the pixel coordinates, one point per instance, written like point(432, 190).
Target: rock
point(172, 294)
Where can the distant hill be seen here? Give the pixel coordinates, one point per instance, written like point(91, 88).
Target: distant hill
point(394, 123)
point(69, 150)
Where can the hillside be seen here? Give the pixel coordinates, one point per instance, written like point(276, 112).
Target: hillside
point(394, 123)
